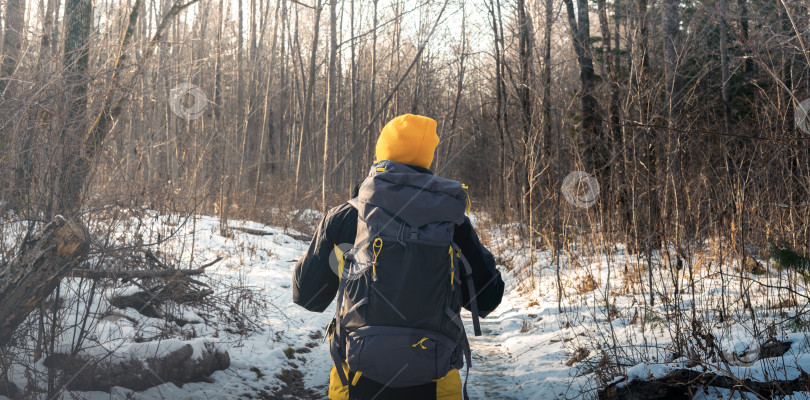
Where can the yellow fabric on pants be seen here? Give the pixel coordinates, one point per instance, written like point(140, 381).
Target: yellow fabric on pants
point(447, 388)
point(336, 389)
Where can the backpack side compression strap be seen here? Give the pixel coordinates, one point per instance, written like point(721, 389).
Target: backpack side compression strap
point(465, 343)
point(465, 347)
point(338, 344)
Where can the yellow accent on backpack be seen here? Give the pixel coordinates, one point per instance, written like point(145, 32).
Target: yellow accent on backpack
point(419, 343)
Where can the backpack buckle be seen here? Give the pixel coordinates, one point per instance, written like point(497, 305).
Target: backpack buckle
point(374, 271)
point(376, 247)
point(414, 233)
point(330, 329)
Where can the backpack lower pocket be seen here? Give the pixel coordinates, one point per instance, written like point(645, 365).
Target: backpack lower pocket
point(399, 357)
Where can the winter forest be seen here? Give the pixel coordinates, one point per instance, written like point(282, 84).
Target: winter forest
point(639, 169)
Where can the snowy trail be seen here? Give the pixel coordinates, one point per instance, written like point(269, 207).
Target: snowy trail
point(490, 375)
point(520, 355)
point(525, 351)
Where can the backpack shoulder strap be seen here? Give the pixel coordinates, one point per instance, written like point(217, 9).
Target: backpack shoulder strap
point(467, 271)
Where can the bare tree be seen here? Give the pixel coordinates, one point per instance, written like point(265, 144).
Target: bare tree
point(13, 37)
point(310, 87)
point(579, 23)
point(330, 97)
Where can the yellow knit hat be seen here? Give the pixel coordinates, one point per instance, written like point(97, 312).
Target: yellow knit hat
point(409, 139)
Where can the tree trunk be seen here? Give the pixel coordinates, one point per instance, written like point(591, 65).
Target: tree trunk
point(671, 25)
point(591, 118)
point(685, 383)
point(748, 65)
point(330, 96)
point(356, 161)
point(219, 143)
point(447, 141)
point(525, 45)
point(610, 73)
point(241, 114)
point(78, 23)
point(373, 95)
point(308, 100)
point(499, 95)
point(671, 28)
point(722, 6)
point(36, 271)
point(12, 41)
point(48, 33)
point(81, 146)
point(266, 122)
point(549, 21)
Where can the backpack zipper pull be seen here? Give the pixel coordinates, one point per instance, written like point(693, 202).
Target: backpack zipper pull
point(452, 270)
point(376, 247)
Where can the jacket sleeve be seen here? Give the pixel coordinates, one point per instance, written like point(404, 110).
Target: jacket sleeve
point(486, 278)
point(314, 283)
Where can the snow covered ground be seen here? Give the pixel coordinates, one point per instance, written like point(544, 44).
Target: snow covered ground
point(606, 321)
point(525, 353)
point(261, 263)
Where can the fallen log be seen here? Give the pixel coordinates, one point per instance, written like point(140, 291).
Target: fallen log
point(150, 302)
point(251, 231)
point(8, 389)
point(88, 373)
point(141, 273)
point(774, 348)
point(37, 269)
point(749, 356)
point(684, 383)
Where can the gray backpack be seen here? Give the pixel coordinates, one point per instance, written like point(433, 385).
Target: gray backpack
point(397, 320)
